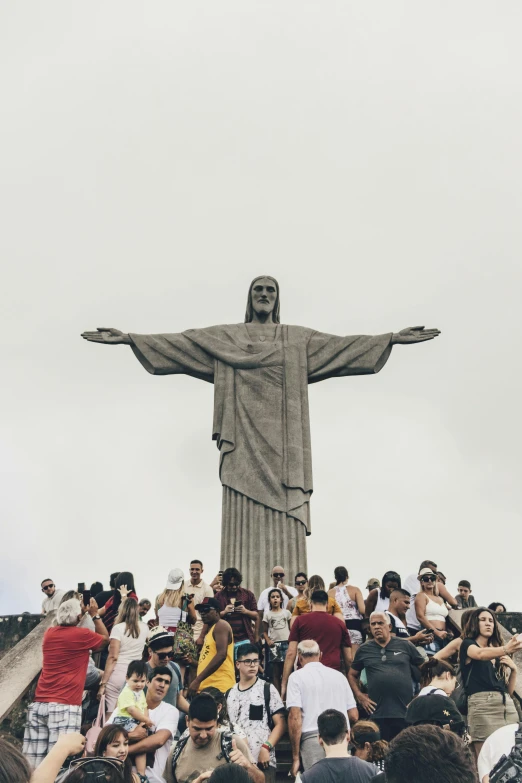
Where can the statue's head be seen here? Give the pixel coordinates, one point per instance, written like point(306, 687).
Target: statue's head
point(263, 298)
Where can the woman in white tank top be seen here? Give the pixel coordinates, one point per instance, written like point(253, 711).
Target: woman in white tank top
point(432, 611)
point(171, 608)
point(351, 602)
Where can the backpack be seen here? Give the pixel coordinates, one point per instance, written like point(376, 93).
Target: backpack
point(509, 768)
point(461, 697)
point(226, 748)
point(266, 697)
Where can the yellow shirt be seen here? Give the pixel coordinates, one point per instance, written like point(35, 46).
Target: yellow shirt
point(223, 678)
point(302, 607)
point(129, 698)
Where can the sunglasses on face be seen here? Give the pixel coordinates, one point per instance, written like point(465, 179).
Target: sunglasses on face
point(301, 582)
point(279, 573)
point(428, 578)
point(47, 587)
point(164, 656)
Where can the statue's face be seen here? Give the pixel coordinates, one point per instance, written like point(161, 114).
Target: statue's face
point(264, 296)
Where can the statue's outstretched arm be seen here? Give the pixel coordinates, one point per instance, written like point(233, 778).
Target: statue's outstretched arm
point(414, 334)
point(107, 336)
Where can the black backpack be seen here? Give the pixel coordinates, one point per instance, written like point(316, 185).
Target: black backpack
point(509, 768)
point(266, 697)
point(226, 748)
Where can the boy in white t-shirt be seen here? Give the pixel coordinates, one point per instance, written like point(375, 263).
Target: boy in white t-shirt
point(132, 707)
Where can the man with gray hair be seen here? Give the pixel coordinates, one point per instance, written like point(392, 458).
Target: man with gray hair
point(312, 689)
point(57, 702)
point(388, 662)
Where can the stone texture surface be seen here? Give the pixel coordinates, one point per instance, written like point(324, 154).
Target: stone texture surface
point(19, 668)
point(15, 627)
point(255, 538)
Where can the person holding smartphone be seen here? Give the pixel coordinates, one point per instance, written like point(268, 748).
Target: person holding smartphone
point(238, 607)
point(432, 611)
point(399, 604)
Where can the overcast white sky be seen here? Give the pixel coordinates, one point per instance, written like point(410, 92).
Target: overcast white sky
point(155, 157)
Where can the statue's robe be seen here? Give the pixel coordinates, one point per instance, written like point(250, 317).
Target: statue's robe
point(261, 426)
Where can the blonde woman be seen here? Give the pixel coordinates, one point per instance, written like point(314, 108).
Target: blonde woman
point(176, 613)
point(170, 609)
point(127, 640)
point(432, 611)
point(304, 605)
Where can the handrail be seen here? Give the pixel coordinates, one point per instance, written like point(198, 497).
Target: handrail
point(21, 665)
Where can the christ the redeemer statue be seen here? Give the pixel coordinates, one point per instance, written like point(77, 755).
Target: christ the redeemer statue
point(261, 370)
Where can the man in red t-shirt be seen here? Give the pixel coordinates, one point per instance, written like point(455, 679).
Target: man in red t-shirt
point(329, 632)
point(57, 702)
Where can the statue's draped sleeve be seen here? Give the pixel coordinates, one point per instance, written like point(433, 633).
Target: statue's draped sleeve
point(172, 354)
point(332, 356)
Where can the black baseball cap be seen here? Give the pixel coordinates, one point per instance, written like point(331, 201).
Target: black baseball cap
point(434, 708)
point(208, 603)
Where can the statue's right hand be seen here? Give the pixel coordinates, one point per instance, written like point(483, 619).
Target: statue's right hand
point(107, 336)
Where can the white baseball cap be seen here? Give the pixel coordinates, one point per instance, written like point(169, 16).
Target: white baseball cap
point(175, 579)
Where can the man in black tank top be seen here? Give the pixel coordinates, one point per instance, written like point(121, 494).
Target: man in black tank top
point(399, 605)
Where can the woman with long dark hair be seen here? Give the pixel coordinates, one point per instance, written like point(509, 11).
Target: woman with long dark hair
point(489, 675)
point(113, 743)
point(365, 739)
point(378, 599)
point(351, 601)
point(124, 588)
point(437, 677)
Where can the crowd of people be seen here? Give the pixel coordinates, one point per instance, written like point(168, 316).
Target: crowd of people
point(205, 681)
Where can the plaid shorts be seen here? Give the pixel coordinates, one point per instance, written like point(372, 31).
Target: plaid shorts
point(45, 723)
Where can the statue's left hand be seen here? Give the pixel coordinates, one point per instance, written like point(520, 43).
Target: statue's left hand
point(107, 336)
point(414, 334)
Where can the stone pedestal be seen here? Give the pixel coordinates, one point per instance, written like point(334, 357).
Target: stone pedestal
point(255, 538)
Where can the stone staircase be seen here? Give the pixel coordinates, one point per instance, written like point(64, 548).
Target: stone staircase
point(284, 757)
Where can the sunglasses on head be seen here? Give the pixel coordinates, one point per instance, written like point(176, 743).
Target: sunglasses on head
point(97, 768)
point(429, 578)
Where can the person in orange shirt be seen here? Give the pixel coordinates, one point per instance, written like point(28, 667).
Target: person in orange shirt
point(304, 605)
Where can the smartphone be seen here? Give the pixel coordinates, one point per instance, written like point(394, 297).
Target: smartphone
point(81, 587)
point(238, 603)
point(220, 576)
point(86, 597)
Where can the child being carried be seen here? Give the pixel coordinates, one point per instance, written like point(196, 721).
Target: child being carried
point(132, 710)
